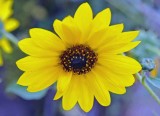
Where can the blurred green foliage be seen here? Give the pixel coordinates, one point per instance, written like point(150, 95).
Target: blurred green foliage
point(149, 46)
point(23, 93)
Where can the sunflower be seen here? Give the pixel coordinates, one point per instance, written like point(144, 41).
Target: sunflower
point(9, 24)
point(85, 58)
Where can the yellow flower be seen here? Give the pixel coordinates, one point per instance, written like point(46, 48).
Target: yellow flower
point(9, 25)
point(85, 59)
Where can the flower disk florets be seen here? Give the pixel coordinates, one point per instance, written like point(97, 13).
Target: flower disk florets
point(80, 59)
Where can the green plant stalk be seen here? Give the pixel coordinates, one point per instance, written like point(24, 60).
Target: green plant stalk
point(152, 93)
point(10, 37)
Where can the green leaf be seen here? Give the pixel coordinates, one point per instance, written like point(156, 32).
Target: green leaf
point(23, 93)
point(154, 81)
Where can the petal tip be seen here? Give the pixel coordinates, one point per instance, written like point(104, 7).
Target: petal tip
point(17, 63)
point(57, 96)
point(85, 4)
point(108, 10)
point(29, 89)
point(20, 82)
point(33, 30)
point(20, 42)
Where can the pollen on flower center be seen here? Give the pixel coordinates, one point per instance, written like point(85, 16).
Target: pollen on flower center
point(79, 59)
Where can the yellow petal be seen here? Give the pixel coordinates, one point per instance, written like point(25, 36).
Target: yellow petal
point(118, 48)
point(69, 36)
point(86, 97)
point(126, 37)
point(104, 36)
point(122, 80)
point(95, 38)
point(63, 80)
point(83, 20)
point(83, 16)
point(1, 59)
point(26, 78)
point(58, 95)
point(38, 80)
point(70, 97)
point(120, 64)
point(102, 19)
point(43, 80)
point(67, 30)
point(101, 94)
point(120, 43)
point(4, 43)
point(30, 63)
point(30, 48)
point(125, 48)
point(11, 24)
point(46, 39)
point(106, 81)
point(113, 31)
point(6, 10)
point(57, 24)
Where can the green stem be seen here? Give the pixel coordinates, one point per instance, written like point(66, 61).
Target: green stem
point(11, 37)
point(152, 93)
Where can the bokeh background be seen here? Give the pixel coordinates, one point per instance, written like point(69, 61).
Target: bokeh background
point(143, 15)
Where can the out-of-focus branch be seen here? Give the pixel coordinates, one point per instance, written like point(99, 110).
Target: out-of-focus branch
point(147, 87)
point(11, 37)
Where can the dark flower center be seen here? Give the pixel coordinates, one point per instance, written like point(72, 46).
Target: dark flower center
point(80, 59)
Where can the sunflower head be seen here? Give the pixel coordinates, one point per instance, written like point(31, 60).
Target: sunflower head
point(85, 58)
point(78, 59)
